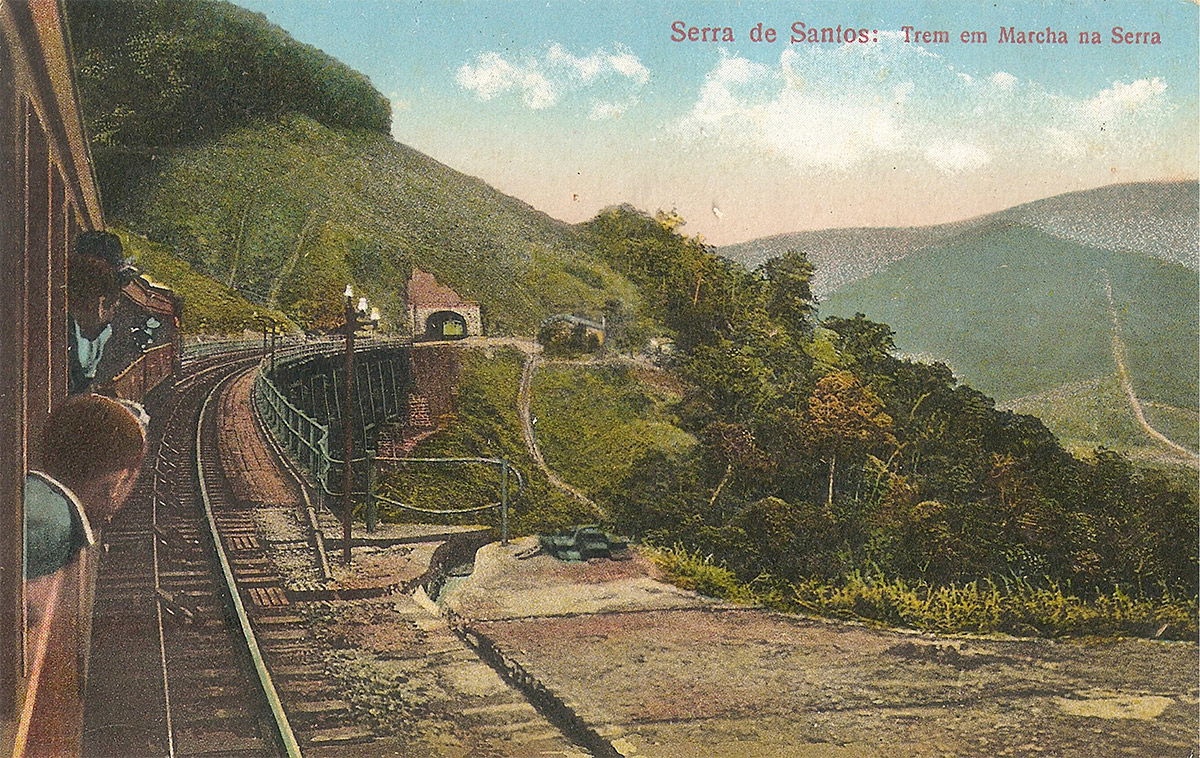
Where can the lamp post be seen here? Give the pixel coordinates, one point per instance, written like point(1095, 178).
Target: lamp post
point(356, 317)
point(270, 330)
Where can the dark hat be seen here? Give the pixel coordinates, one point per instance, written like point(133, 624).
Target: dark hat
point(105, 246)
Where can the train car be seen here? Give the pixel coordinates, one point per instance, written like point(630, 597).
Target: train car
point(49, 195)
point(147, 346)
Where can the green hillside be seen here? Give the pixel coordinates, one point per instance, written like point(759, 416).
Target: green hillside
point(1091, 413)
point(209, 307)
point(267, 166)
point(155, 74)
point(593, 422)
point(288, 211)
point(1015, 312)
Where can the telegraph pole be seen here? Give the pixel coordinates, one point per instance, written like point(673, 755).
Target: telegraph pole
point(356, 318)
point(348, 428)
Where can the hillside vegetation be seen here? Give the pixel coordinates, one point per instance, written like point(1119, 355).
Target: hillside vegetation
point(485, 425)
point(830, 470)
point(266, 166)
point(1017, 312)
point(209, 307)
point(155, 74)
point(1094, 413)
point(287, 211)
point(594, 421)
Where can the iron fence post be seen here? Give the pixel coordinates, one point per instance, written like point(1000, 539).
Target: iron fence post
point(504, 502)
point(347, 434)
point(372, 504)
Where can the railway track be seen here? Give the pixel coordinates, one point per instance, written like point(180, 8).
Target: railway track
point(198, 650)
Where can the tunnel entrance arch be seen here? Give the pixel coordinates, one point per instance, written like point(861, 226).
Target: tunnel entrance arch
point(446, 325)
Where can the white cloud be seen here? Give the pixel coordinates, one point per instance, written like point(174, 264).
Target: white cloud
point(627, 64)
point(1123, 99)
point(543, 81)
point(784, 112)
point(492, 75)
point(879, 106)
point(1003, 80)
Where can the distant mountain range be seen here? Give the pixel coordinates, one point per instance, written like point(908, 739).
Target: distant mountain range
point(1022, 315)
point(1158, 219)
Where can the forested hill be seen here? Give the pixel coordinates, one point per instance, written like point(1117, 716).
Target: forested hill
point(1016, 311)
point(267, 165)
point(156, 74)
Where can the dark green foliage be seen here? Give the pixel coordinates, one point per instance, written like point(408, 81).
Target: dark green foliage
point(789, 290)
point(485, 426)
point(1016, 312)
point(933, 484)
point(561, 337)
point(160, 73)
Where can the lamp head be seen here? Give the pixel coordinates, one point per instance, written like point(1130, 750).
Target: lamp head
point(362, 305)
point(349, 291)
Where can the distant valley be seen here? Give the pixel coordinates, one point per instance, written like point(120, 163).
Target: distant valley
point(1014, 302)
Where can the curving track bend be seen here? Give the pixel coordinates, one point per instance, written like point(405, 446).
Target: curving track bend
point(196, 648)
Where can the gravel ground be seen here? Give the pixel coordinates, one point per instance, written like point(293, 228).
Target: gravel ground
point(663, 679)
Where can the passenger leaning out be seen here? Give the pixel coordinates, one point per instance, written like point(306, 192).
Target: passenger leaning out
point(93, 292)
point(92, 449)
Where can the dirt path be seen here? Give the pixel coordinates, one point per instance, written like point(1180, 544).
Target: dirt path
point(524, 406)
point(1119, 355)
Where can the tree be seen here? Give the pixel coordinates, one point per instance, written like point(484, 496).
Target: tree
point(734, 446)
point(863, 343)
point(789, 291)
point(844, 413)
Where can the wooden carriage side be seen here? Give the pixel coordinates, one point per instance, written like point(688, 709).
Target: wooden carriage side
point(48, 195)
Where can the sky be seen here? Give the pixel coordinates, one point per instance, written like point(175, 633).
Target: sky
point(578, 105)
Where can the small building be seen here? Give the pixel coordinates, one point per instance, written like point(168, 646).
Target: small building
point(436, 312)
point(567, 332)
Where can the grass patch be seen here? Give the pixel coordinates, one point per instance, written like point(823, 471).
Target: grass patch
point(975, 607)
point(1181, 425)
point(209, 307)
point(486, 425)
point(1095, 413)
point(594, 421)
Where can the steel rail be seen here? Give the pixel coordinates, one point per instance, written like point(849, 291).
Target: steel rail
point(283, 727)
point(168, 719)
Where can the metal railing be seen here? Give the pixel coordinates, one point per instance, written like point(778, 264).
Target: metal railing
point(502, 504)
point(202, 347)
point(303, 437)
point(307, 440)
